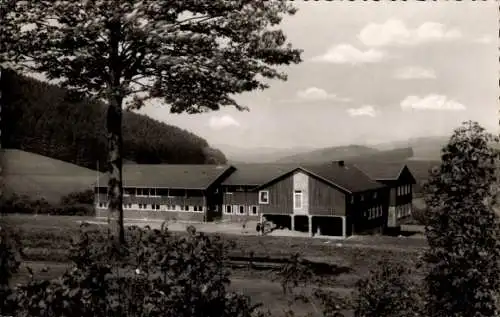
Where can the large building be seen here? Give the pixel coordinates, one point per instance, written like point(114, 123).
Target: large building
point(335, 199)
point(401, 183)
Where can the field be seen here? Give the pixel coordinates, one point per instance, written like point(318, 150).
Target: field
point(46, 240)
point(40, 176)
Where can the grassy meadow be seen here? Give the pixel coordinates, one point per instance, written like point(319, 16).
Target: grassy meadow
point(46, 241)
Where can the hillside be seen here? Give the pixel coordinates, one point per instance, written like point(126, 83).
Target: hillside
point(39, 176)
point(329, 154)
point(395, 155)
point(47, 120)
point(424, 148)
point(259, 154)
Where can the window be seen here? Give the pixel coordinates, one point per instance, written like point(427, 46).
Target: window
point(264, 197)
point(242, 210)
point(143, 206)
point(186, 208)
point(102, 205)
point(228, 209)
point(128, 191)
point(153, 192)
point(253, 210)
point(155, 207)
point(297, 199)
point(352, 199)
point(375, 195)
point(142, 192)
point(127, 206)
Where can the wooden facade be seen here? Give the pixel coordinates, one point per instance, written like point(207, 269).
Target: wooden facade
point(401, 197)
point(301, 197)
point(239, 203)
point(359, 212)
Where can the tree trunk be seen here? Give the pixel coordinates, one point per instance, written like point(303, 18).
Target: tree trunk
point(115, 189)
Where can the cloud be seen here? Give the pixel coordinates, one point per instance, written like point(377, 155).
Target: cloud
point(348, 54)
point(414, 72)
point(395, 32)
point(318, 94)
point(431, 102)
point(484, 39)
point(366, 110)
point(221, 122)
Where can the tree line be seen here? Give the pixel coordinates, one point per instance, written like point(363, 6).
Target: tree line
point(48, 120)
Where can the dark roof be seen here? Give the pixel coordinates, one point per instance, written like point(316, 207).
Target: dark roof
point(170, 175)
point(381, 170)
point(257, 174)
point(347, 177)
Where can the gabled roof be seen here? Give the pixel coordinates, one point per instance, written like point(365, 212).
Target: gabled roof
point(382, 170)
point(347, 178)
point(170, 175)
point(256, 174)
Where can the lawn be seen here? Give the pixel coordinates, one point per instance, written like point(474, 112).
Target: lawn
point(46, 241)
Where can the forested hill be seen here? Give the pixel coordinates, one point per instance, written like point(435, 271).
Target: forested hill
point(47, 120)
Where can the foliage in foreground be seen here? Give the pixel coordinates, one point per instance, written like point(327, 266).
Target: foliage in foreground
point(462, 227)
point(158, 276)
point(388, 291)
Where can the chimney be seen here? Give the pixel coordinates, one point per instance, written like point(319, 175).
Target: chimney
point(340, 163)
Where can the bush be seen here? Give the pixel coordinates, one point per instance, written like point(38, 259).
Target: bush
point(77, 198)
point(154, 276)
point(23, 204)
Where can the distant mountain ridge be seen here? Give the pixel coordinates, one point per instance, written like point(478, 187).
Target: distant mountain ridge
point(423, 148)
point(328, 154)
point(258, 154)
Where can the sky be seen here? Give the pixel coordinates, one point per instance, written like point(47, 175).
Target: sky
point(373, 72)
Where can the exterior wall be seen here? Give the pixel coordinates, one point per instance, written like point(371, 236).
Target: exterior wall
point(369, 214)
point(325, 200)
point(157, 215)
point(301, 182)
point(401, 199)
point(162, 200)
point(280, 197)
point(240, 198)
point(171, 208)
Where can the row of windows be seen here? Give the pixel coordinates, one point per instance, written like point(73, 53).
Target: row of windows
point(403, 190)
point(154, 192)
point(403, 210)
point(373, 212)
point(362, 197)
point(241, 210)
point(191, 208)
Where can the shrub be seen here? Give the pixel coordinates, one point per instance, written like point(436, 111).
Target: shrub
point(155, 275)
point(388, 291)
point(10, 252)
point(22, 204)
point(84, 197)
